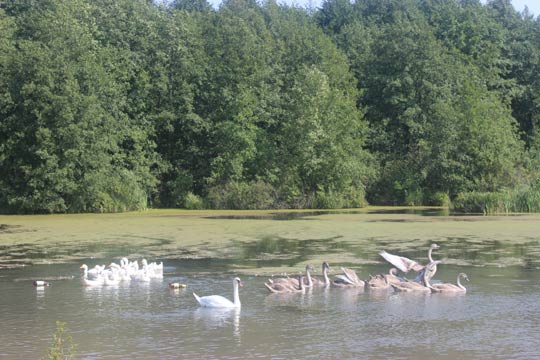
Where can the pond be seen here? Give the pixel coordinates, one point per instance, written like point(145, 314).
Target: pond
point(496, 319)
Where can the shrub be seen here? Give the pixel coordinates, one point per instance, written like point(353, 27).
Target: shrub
point(193, 202)
point(437, 199)
point(242, 195)
point(62, 347)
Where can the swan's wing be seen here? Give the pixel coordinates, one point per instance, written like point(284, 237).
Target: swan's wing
point(215, 301)
point(402, 263)
point(351, 275)
point(343, 279)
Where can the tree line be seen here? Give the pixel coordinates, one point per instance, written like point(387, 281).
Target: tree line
point(115, 105)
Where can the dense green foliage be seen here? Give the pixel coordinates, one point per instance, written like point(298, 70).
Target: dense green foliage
point(521, 199)
point(113, 105)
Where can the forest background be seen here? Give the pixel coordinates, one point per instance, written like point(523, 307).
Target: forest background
point(116, 105)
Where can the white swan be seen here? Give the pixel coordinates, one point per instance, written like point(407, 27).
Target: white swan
point(217, 301)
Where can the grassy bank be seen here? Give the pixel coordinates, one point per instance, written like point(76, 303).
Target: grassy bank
point(521, 200)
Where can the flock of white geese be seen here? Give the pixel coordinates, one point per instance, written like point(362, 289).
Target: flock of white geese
point(101, 275)
point(114, 274)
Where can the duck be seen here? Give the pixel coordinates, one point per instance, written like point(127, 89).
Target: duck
point(177, 285)
point(348, 279)
point(218, 301)
point(451, 288)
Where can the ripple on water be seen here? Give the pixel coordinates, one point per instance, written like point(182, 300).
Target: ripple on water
point(497, 319)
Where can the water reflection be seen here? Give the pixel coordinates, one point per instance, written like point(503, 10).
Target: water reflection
point(152, 321)
point(212, 318)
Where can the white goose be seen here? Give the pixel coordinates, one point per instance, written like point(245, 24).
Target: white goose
point(95, 271)
point(99, 281)
point(217, 301)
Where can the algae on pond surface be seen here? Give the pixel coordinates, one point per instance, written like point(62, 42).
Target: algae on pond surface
point(266, 241)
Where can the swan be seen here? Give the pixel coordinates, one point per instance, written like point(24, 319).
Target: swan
point(287, 287)
point(348, 279)
point(378, 281)
point(451, 288)
point(413, 286)
point(308, 281)
point(384, 281)
point(40, 283)
point(392, 277)
point(326, 280)
point(405, 264)
point(217, 301)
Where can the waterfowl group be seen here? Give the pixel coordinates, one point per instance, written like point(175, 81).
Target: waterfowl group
point(349, 279)
point(292, 283)
point(405, 264)
point(114, 274)
point(422, 283)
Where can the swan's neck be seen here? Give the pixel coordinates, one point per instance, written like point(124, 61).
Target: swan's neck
point(236, 296)
point(309, 281)
point(459, 283)
point(301, 283)
point(426, 280)
point(325, 276)
point(429, 254)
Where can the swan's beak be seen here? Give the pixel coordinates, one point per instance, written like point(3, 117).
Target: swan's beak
point(81, 267)
point(240, 284)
